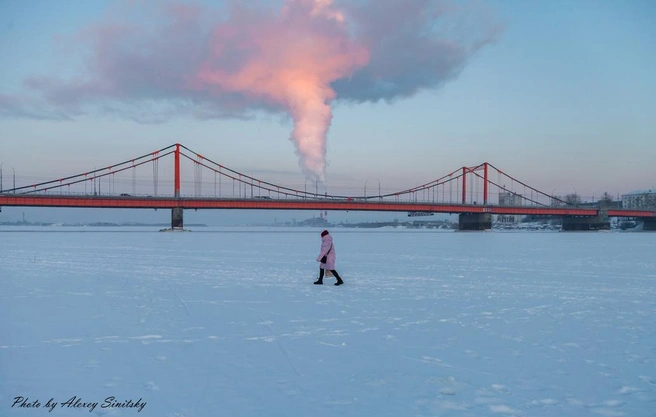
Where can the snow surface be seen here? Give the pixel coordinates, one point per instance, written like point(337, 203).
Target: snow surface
point(226, 322)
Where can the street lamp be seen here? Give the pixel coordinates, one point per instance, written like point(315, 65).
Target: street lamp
point(14, 179)
point(365, 189)
point(379, 196)
point(1, 176)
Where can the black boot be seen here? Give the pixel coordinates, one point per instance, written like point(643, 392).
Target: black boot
point(339, 279)
point(320, 280)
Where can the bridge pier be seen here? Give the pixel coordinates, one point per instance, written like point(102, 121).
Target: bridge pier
point(586, 223)
point(177, 218)
point(649, 223)
point(474, 221)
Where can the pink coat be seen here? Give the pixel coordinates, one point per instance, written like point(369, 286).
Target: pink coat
point(326, 244)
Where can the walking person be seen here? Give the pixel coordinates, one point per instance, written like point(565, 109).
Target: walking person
point(327, 257)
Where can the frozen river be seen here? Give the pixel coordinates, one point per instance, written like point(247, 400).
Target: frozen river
point(226, 322)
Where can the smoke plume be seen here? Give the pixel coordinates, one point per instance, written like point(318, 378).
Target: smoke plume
point(296, 59)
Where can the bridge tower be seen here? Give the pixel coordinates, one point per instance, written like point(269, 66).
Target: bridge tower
point(477, 220)
point(177, 221)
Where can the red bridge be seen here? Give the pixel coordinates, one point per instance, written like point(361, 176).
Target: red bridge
point(468, 191)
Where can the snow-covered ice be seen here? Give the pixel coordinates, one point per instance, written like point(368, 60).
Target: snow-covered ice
point(226, 322)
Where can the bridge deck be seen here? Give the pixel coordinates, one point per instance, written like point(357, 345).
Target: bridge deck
point(27, 200)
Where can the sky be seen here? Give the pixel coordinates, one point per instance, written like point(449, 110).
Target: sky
point(559, 94)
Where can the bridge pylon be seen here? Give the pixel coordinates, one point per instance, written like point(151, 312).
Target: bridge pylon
point(177, 213)
point(177, 222)
point(649, 223)
point(474, 221)
point(586, 223)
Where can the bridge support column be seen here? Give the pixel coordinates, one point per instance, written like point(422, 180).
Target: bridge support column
point(649, 223)
point(177, 218)
point(474, 221)
point(586, 223)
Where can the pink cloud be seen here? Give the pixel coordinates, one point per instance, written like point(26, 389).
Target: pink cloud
point(234, 62)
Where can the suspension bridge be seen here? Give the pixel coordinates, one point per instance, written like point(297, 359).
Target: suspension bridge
point(475, 193)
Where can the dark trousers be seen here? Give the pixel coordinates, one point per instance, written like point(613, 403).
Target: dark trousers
point(332, 270)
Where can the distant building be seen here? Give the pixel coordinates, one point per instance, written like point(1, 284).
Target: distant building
point(510, 199)
point(642, 199)
point(321, 221)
